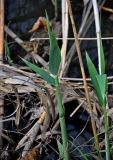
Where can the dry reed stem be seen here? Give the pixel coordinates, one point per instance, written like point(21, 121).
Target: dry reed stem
point(97, 26)
point(83, 73)
point(65, 26)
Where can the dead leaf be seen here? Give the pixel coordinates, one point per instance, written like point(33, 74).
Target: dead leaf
point(40, 23)
point(32, 155)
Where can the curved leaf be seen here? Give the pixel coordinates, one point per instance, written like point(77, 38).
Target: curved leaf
point(55, 55)
point(93, 73)
point(92, 70)
point(44, 74)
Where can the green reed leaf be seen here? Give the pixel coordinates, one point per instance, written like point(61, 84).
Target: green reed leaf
point(102, 85)
point(92, 70)
point(94, 74)
point(55, 55)
point(7, 53)
point(44, 74)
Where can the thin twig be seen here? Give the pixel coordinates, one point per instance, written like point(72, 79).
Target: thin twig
point(76, 109)
point(107, 9)
point(79, 38)
point(31, 133)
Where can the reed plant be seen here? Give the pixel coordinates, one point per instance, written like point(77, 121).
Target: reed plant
point(100, 84)
point(99, 79)
point(52, 78)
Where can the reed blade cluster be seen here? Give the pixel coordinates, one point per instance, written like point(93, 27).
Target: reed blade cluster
point(100, 85)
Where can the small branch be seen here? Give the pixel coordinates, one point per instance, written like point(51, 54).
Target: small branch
point(13, 35)
point(31, 133)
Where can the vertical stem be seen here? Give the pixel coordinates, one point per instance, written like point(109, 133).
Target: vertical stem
point(62, 120)
point(97, 25)
point(65, 26)
point(84, 78)
point(106, 125)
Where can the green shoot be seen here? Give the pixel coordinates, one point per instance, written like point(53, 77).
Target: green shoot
point(100, 85)
point(55, 55)
point(51, 77)
point(7, 53)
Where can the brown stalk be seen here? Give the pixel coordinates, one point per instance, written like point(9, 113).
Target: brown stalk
point(83, 73)
point(1, 61)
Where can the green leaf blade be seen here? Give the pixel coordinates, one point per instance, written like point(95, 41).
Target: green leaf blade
point(93, 74)
point(102, 58)
point(44, 74)
point(92, 70)
point(99, 82)
point(102, 84)
point(7, 53)
point(55, 55)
